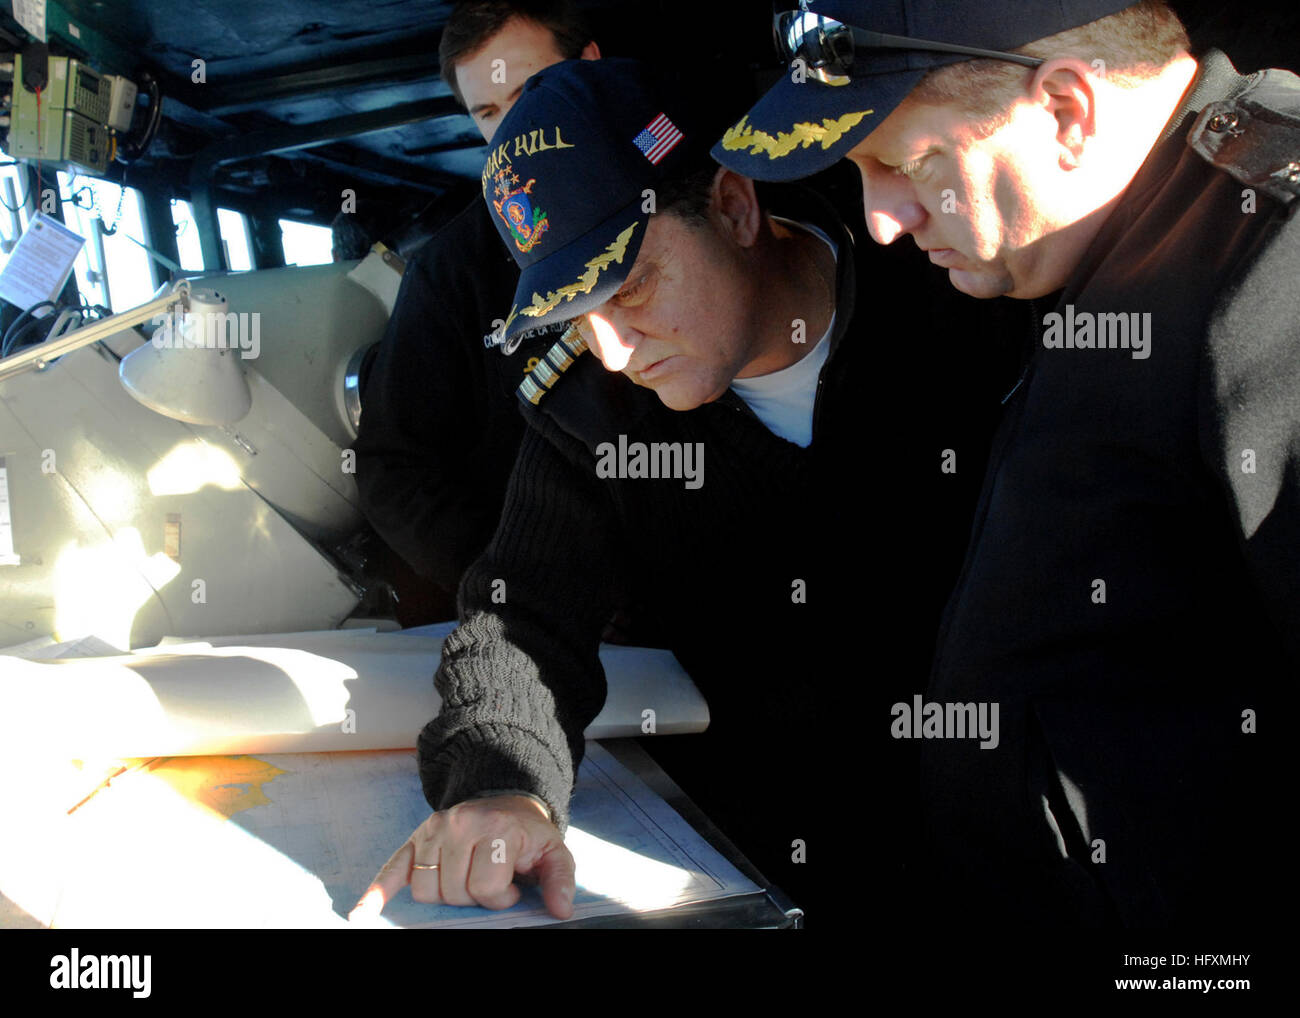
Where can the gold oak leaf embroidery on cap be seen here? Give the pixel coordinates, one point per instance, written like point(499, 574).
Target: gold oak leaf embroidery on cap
point(827, 133)
point(586, 282)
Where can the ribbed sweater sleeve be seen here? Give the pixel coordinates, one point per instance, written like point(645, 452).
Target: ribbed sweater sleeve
point(520, 678)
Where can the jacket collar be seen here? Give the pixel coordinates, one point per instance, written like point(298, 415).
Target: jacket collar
point(801, 205)
point(1215, 79)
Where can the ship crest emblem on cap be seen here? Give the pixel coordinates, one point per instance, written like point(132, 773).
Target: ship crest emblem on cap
point(514, 205)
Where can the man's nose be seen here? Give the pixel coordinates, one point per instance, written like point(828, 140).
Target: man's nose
point(890, 209)
point(613, 342)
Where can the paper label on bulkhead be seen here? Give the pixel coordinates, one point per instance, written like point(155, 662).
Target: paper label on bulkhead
point(40, 263)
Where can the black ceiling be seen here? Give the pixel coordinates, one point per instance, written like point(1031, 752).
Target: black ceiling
point(272, 64)
point(241, 39)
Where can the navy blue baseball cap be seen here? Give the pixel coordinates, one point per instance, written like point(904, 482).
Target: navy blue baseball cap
point(801, 127)
point(566, 176)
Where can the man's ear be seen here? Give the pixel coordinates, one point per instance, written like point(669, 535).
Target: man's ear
point(590, 51)
point(737, 206)
point(1065, 87)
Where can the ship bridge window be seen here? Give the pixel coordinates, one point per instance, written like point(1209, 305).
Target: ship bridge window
point(187, 236)
point(234, 237)
point(306, 243)
point(112, 268)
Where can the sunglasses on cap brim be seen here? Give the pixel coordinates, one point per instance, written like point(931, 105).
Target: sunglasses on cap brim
point(827, 47)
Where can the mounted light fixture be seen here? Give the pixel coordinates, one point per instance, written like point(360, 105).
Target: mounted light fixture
point(190, 369)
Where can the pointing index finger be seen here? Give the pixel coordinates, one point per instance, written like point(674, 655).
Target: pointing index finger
point(392, 877)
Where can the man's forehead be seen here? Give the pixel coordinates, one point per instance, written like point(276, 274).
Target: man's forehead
point(653, 244)
point(522, 47)
point(653, 247)
point(644, 259)
point(908, 125)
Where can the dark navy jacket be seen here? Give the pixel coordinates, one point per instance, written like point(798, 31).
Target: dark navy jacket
point(1130, 785)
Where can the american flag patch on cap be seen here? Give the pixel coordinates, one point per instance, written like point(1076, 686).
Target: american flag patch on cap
point(659, 137)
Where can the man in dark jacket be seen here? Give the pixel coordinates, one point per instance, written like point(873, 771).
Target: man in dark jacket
point(1130, 599)
point(440, 426)
point(721, 478)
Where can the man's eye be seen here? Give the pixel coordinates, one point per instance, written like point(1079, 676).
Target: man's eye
point(910, 169)
point(627, 293)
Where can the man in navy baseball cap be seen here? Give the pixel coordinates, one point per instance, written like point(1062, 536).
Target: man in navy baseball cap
point(570, 180)
point(999, 164)
point(1141, 509)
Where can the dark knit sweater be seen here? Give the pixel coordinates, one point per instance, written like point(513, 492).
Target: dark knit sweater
point(864, 517)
